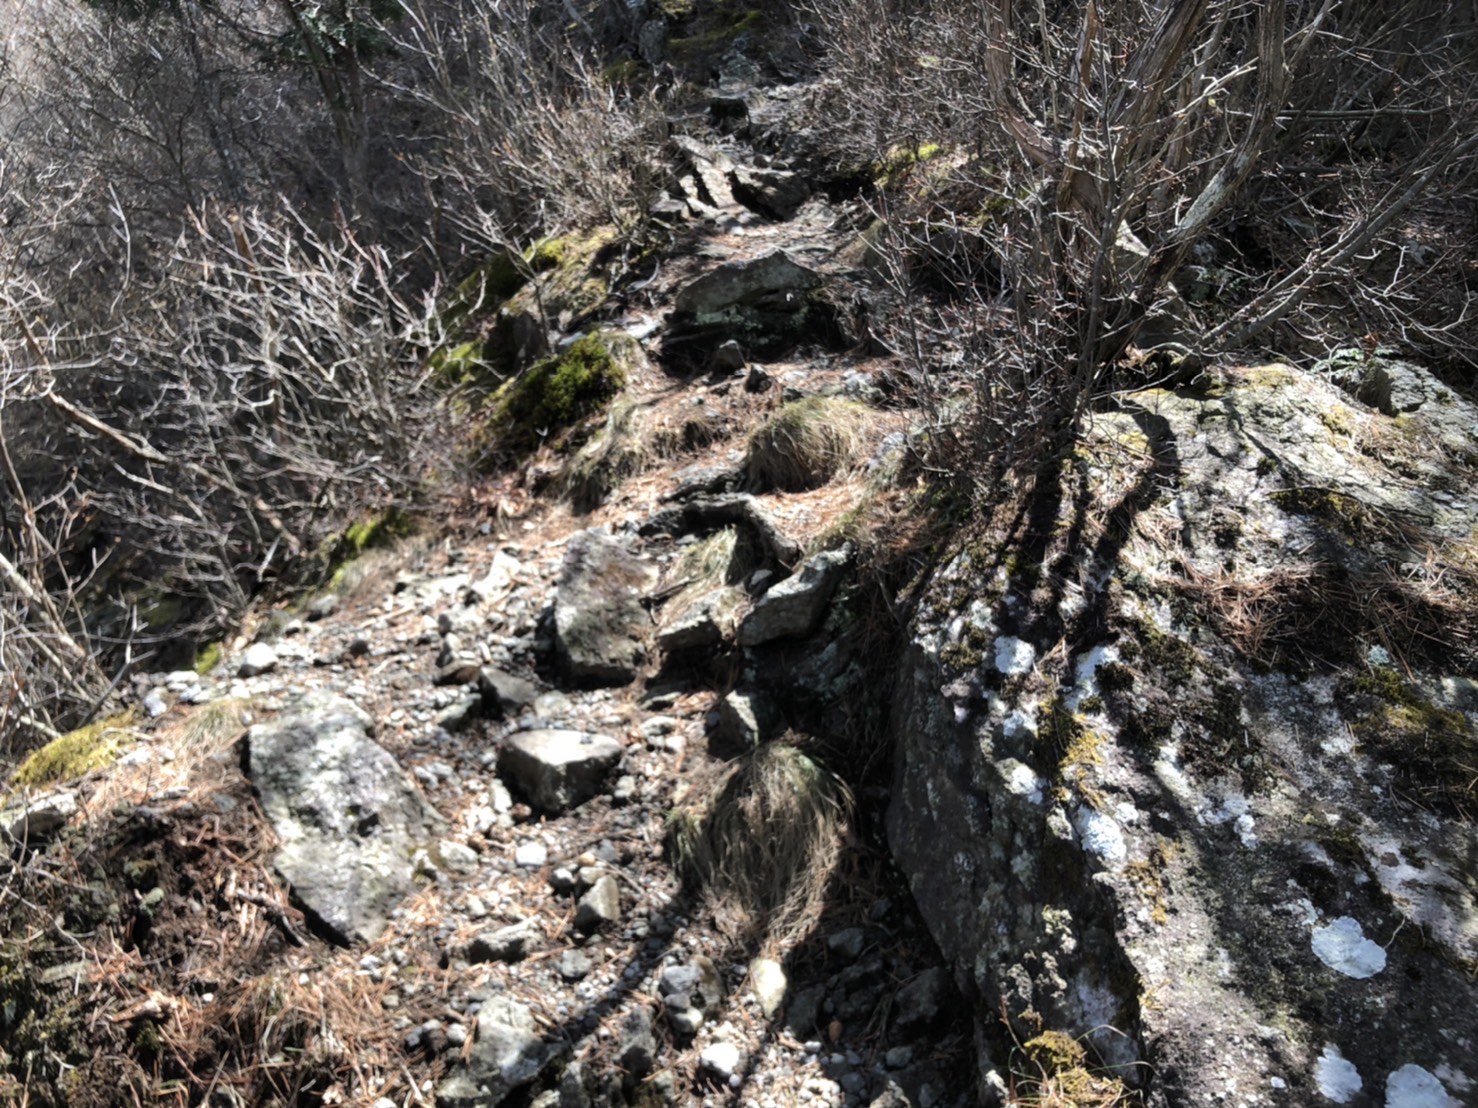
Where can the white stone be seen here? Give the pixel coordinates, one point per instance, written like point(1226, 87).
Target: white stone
point(531, 855)
point(1342, 946)
point(1413, 1087)
point(721, 1060)
point(1336, 1076)
point(259, 658)
point(767, 979)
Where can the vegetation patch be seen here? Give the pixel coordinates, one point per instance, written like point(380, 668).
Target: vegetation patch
point(208, 657)
point(1433, 749)
point(76, 753)
point(807, 443)
point(1055, 1069)
point(623, 448)
point(766, 840)
point(557, 391)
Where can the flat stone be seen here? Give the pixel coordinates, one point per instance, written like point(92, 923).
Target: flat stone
point(770, 281)
point(794, 607)
point(775, 193)
point(38, 817)
point(457, 857)
point(458, 671)
point(557, 770)
point(506, 944)
point(701, 624)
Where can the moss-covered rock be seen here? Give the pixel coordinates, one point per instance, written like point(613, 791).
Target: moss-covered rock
point(76, 753)
point(557, 392)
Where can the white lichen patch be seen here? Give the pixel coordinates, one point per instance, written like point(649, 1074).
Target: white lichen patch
point(1343, 947)
point(1336, 1076)
point(1085, 673)
point(1413, 1087)
point(1234, 809)
point(1021, 780)
point(1100, 836)
point(1426, 892)
point(1021, 724)
point(1014, 657)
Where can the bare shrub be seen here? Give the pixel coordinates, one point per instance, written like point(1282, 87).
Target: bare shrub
point(1046, 174)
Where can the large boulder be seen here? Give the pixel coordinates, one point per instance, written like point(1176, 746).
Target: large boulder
point(764, 303)
point(348, 817)
point(1162, 787)
point(600, 625)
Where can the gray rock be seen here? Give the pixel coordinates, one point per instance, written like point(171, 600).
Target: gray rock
point(600, 626)
point(701, 624)
point(259, 659)
point(804, 1011)
point(530, 855)
point(321, 607)
point(847, 943)
point(575, 965)
point(503, 694)
point(638, 1044)
point(600, 905)
point(920, 1003)
point(154, 704)
point(773, 282)
point(727, 359)
point(348, 817)
point(506, 944)
point(556, 770)
point(711, 168)
point(720, 1060)
point(507, 1055)
point(794, 607)
point(460, 714)
point(747, 718)
point(456, 857)
point(775, 193)
point(698, 981)
point(685, 1021)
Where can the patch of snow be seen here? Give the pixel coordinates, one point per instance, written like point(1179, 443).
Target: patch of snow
point(1100, 836)
point(1336, 1076)
point(1014, 657)
point(1342, 946)
point(1413, 1087)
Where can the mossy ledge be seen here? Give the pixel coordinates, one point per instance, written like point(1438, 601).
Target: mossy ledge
point(75, 754)
point(558, 391)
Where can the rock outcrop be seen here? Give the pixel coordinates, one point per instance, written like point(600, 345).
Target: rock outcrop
point(1160, 779)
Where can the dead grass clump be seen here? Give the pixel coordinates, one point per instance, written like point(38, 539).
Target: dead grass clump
point(807, 443)
point(765, 842)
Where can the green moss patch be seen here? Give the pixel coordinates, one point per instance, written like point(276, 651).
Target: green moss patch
point(76, 753)
point(1433, 749)
point(208, 657)
point(558, 391)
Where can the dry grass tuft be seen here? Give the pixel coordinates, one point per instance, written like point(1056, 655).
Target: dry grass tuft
point(766, 841)
point(808, 442)
point(623, 448)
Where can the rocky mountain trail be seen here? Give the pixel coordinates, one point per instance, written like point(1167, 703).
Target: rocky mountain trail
point(634, 781)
